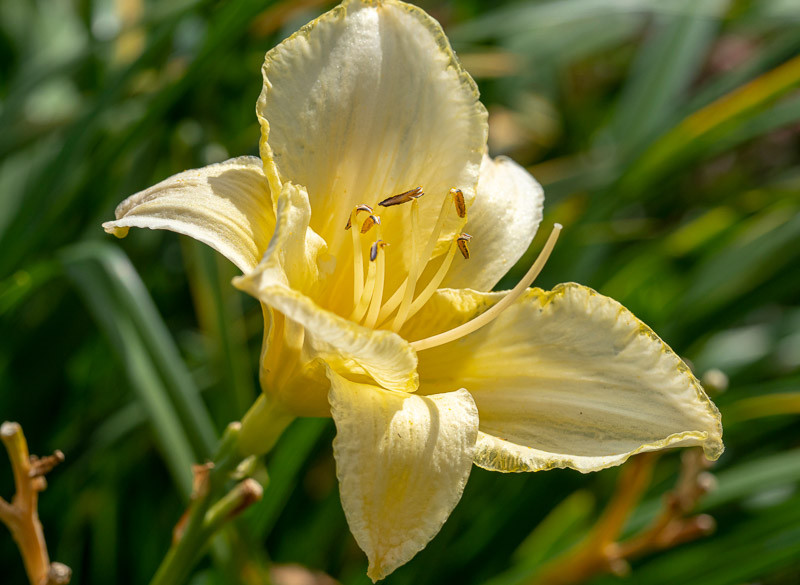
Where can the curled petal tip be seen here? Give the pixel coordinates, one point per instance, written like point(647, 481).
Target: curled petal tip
point(115, 230)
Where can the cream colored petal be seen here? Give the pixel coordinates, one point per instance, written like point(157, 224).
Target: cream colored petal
point(402, 462)
point(225, 205)
point(566, 378)
point(363, 103)
point(502, 222)
point(303, 336)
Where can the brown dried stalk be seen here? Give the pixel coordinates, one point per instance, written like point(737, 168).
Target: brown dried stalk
point(601, 552)
point(22, 514)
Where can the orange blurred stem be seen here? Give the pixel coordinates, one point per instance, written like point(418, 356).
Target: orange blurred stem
point(601, 552)
point(596, 554)
point(22, 514)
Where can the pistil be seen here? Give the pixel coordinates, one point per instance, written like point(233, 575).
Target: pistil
point(499, 307)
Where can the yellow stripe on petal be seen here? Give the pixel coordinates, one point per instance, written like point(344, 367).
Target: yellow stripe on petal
point(225, 205)
point(402, 462)
point(567, 378)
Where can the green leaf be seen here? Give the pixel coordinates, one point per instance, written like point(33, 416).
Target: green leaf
point(118, 300)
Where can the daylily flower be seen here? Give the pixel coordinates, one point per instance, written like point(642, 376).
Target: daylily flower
point(371, 314)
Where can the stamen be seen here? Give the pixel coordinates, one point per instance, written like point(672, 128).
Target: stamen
point(377, 294)
point(358, 261)
point(366, 296)
point(461, 205)
point(418, 262)
point(373, 249)
point(404, 197)
point(502, 304)
point(413, 275)
point(369, 222)
point(394, 300)
point(354, 213)
point(462, 245)
point(437, 279)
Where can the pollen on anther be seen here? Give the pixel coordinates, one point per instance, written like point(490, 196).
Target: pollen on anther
point(369, 222)
point(458, 200)
point(403, 197)
point(462, 245)
point(358, 208)
point(373, 249)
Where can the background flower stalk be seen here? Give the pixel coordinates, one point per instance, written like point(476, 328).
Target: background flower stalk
point(21, 515)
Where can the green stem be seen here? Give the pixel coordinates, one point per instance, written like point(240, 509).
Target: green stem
point(180, 559)
point(205, 518)
point(263, 425)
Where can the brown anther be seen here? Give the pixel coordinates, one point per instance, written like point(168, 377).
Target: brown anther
point(373, 249)
point(403, 197)
point(358, 208)
point(462, 245)
point(369, 222)
point(458, 200)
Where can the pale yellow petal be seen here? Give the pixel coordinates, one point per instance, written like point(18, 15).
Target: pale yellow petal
point(225, 205)
point(566, 378)
point(363, 103)
point(502, 222)
point(402, 462)
point(300, 336)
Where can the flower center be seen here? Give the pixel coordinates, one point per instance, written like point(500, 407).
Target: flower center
point(369, 307)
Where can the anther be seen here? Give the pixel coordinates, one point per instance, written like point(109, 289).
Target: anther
point(358, 262)
point(373, 249)
point(403, 197)
point(354, 213)
point(461, 205)
point(369, 222)
point(409, 305)
point(462, 245)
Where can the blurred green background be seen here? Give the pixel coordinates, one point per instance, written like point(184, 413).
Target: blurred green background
point(667, 136)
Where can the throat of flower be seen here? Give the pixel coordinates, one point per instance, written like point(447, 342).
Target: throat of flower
point(368, 306)
point(404, 296)
point(493, 312)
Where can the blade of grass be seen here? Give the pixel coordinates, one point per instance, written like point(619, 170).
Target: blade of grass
point(220, 315)
point(706, 125)
point(102, 299)
point(666, 65)
point(125, 294)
